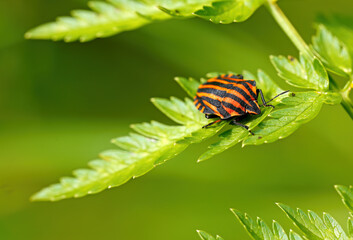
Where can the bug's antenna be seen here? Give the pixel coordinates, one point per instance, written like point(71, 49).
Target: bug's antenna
point(278, 95)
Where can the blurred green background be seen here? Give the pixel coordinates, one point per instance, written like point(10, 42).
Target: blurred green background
point(61, 104)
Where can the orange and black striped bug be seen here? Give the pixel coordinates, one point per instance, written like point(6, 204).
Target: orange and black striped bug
point(229, 97)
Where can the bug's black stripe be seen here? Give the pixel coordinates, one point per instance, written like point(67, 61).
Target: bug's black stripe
point(214, 91)
point(223, 112)
point(219, 84)
point(231, 106)
point(235, 98)
point(237, 80)
point(207, 110)
point(218, 105)
point(232, 86)
point(213, 102)
point(250, 91)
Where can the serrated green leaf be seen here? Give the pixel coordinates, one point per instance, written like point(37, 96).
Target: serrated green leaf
point(176, 110)
point(294, 236)
point(249, 75)
point(332, 52)
point(341, 27)
point(266, 231)
point(258, 230)
point(264, 82)
point(317, 221)
point(335, 230)
point(229, 11)
point(303, 73)
point(249, 224)
point(296, 111)
point(313, 226)
point(279, 233)
point(138, 153)
point(190, 85)
point(112, 17)
point(206, 236)
point(346, 194)
point(303, 222)
point(234, 135)
point(267, 85)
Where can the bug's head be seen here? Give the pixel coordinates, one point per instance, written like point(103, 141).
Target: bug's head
point(255, 110)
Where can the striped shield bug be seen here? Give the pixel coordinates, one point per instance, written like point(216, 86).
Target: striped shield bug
point(229, 97)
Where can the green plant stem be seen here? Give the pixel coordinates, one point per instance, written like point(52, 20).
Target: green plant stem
point(346, 101)
point(300, 44)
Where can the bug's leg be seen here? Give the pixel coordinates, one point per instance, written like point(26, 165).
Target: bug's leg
point(217, 121)
point(263, 99)
point(208, 116)
point(234, 122)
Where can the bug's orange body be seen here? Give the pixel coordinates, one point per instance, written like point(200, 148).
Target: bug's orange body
point(227, 96)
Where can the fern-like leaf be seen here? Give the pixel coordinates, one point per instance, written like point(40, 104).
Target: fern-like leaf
point(229, 11)
point(112, 17)
point(139, 152)
point(332, 52)
point(206, 236)
point(312, 226)
point(302, 73)
point(341, 27)
point(115, 16)
point(258, 230)
point(296, 110)
point(315, 227)
point(346, 194)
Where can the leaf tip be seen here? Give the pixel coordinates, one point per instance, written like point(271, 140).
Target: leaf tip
point(28, 35)
point(236, 212)
point(279, 204)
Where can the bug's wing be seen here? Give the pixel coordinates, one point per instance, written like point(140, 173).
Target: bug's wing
point(209, 99)
point(244, 94)
point(201, 106)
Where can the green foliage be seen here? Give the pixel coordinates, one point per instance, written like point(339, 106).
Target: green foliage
point(294, 111)
point(291, 110)
point(189, 85)
point(234, 135)
point(258, 229)
point(112, 17)
point(205, 236)
point(154, 142)
point(332, 52)
point(341, 27)
point(311, 225)
point(346, 194)
point(229, 11)
point(264, 82)
point(115, 16)
point(138, 153)
point(302, 73)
